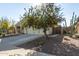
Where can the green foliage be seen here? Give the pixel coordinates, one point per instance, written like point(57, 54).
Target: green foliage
point(4, 24)
point(42, 17)
point(11, 29)
point(0, 31)
point(39, 42)
point(23, 23)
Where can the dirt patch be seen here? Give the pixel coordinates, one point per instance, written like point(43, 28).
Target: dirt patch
point(58, 45)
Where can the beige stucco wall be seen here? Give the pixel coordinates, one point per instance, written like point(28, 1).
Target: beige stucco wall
point(37, 31)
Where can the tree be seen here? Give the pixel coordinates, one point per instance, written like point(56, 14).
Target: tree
point(23, 18)
point(5, 24)
point(49, 16)
point(28, 19)
point(43, 17)
point(54, 14)
point(72, 23)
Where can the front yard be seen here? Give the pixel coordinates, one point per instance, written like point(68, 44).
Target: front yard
point(59, 45)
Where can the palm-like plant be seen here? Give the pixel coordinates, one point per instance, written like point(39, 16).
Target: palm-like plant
point(72, 23)
point(5, 24)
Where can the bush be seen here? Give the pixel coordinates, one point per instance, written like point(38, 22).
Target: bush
point(39, 42)
point(3, 35)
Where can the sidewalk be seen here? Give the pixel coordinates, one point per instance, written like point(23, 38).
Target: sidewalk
point(22, 52)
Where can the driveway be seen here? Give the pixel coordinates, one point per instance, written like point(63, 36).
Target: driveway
point(11, 42)
point(8, 46)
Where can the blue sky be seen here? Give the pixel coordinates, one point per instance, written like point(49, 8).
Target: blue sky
point(68, 9)
point(14, 10)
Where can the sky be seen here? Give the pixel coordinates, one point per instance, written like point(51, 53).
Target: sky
point(14, 10)
point(68, 9)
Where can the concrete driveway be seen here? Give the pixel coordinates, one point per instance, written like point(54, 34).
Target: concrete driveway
point(8, 46)
point(11, 42)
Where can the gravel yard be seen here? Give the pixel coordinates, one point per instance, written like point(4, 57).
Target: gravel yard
point(59, 45)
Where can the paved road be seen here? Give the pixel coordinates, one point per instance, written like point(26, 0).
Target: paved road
point(8, 46)
point(16, 40)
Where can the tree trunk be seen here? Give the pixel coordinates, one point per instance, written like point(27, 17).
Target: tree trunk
point(52, 30)
point(61, 30)
point(46, 36)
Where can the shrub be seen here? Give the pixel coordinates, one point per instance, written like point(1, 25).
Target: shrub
point(39, 42)
point(3, 35)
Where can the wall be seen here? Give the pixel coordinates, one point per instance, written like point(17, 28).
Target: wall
point(37, 31)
